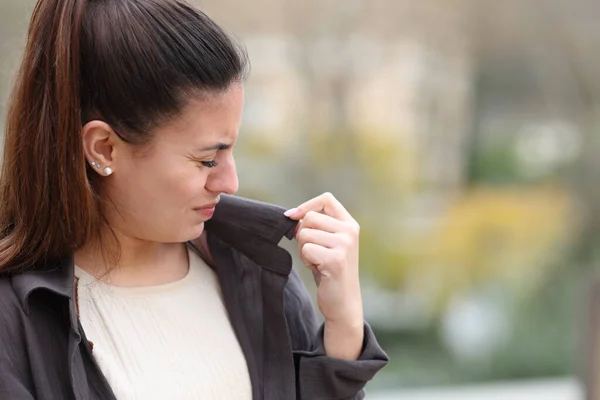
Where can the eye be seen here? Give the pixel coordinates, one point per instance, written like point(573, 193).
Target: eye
point(209, 164)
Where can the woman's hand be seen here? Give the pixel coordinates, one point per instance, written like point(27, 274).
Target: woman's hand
point(327, 238)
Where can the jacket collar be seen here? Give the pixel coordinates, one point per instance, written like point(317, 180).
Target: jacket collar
point(253, 218)
point(250, 226)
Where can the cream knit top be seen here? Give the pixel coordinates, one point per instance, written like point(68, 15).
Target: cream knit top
point(172, 341)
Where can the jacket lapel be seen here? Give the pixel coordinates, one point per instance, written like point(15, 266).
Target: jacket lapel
point(253, 270)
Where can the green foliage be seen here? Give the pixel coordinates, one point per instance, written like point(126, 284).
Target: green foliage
point(542, 343)
point(495, 163)
point(544, 340)
point(386, 265)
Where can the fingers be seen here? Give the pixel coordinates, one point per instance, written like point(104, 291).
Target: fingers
point(322, 222)
point(318, 247)
point(327, 236)
point(324, 244)
point(322, 238)
point(317, 256)
point(326, 204)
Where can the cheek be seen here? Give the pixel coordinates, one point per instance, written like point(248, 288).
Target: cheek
point(161, 187)
point(179, 187)
point(190, 187)
point(186, 183)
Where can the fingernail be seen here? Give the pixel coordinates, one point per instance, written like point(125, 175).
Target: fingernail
point(290, 212)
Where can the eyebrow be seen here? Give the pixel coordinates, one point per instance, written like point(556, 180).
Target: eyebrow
point(218, 146)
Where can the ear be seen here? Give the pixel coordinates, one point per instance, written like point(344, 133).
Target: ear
point(100, 146)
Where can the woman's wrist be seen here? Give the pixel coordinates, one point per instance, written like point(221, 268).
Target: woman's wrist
point(344, 339)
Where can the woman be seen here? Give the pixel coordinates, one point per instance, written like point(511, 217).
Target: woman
point(127, 269)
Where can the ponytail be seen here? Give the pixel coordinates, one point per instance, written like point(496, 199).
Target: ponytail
point(77, 66)
point(46, 205)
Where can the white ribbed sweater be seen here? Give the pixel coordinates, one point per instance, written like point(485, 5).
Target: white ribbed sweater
point(171, 341)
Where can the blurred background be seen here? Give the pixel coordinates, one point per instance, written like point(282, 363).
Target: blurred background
point(463, 136)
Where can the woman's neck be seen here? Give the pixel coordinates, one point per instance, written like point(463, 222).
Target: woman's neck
point(140, 263)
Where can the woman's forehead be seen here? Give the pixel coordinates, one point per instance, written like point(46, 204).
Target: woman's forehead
point(215, 117)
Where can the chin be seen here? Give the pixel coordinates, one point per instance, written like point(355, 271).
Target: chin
point(185, 233)
point(194, 232)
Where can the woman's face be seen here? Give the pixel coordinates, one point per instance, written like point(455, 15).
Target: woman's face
point(167, 193)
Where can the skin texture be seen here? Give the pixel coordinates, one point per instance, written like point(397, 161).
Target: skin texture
point(152, 198)
point(154, 191)
point(327, 238)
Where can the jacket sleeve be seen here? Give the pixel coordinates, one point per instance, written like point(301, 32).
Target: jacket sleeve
point(14, 376)
point(317, 375)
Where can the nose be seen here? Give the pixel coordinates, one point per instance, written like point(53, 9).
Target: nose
point(224, 179)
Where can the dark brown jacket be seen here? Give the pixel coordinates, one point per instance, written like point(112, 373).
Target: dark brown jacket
point(45, 355)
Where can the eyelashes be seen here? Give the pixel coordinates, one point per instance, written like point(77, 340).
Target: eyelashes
point(209, 164)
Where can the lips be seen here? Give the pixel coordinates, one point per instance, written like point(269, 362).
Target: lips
point(207, 210)
point(206, 207)
point(209, 205)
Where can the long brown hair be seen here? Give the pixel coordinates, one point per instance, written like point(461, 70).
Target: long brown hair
point(131, 63)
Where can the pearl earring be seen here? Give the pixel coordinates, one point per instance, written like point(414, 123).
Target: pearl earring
point(108, 171)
